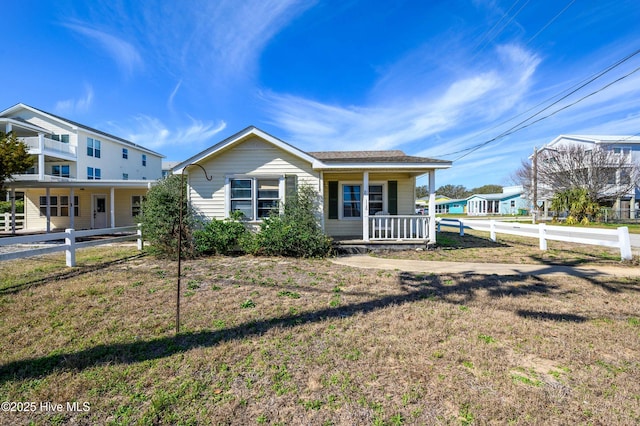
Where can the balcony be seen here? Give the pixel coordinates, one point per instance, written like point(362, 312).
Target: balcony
point(51, 147)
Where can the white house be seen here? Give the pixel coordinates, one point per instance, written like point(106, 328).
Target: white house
point(83, 177)
point(366, 195)
point(509, 202)
point(628, 147)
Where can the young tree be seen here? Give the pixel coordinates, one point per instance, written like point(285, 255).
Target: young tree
point(577, 202)
point(160, 214)
point(604, 173)
point(14, 157)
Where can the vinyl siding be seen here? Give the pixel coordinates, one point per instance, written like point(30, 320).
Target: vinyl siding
point(253, 158)
point(353, 227)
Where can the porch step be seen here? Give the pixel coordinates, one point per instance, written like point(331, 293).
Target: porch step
point(360, 247)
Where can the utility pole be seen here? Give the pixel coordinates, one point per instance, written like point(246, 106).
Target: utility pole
point(534, 172)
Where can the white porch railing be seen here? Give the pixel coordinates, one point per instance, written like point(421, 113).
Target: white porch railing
point(50, 145)
point(12, 247)
point(5, 221)
point(399, 227)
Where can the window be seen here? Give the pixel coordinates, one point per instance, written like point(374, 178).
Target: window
point(255, 198)
point(93, 147)
point(93, 174)
point(53, 204)
point(60, 138)
point(60, 170)
point(136, 205)
point(64, 206)
point(144, 160)
point(125, 176)
point(125, 153)
point(351, 201)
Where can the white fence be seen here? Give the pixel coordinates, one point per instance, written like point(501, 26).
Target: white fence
point(5, 221)
point(399, 227)
point(617, 238)
point(11, 246)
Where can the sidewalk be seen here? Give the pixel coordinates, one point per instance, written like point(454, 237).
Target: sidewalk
point(423, 266)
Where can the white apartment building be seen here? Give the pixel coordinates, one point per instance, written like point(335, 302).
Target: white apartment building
point(82, 178)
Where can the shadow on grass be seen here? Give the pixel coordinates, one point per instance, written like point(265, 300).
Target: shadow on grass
point(415, 289)
point(452, 241)
point(540, 315)
point(67, 273)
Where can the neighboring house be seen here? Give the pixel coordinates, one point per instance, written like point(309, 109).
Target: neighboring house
point(82, 178)
point(451, 206)
point(360, 191)
point(629, 146)
point(509, 202)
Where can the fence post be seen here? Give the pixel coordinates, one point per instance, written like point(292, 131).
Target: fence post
point(492, 230)
point(139, 234)
point(6, 221)
point(542, 231)
point(625, 243)
point(461, 228)
point(70, 242)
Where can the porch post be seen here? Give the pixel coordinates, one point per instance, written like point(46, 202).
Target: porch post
point(365, 206)
point(48, 197)
point(72, 217)
point(112, 206)
point(13, 210)
point(432, 206)
point(41, 156)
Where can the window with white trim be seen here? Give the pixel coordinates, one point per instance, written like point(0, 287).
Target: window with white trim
point(64, 206)
point(53, 205)
point(136, 205)
point(125, 153)
point(94, 173)
point(256, 198)
point(61, 170)
point(93, 147)
point(144, 160)
point(352, 200)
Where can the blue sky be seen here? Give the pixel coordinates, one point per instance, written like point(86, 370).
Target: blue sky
point(432, 78)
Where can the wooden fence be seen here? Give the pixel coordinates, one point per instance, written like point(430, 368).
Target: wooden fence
point(11, 247)
point(5, 221)
point(617, 238)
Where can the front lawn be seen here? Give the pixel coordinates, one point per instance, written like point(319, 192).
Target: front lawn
point(286, 341)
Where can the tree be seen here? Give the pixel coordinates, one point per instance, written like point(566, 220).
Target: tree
point(453, 191)
point(577, 202)
point(487, 189)
point(422, 191)
point(603, 172)
point(14, 157)
point(160, 214)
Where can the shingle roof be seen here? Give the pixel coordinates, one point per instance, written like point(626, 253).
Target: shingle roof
point(391, 156)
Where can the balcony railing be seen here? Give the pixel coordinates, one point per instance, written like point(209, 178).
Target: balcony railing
point(50, 146)
point(399, 227)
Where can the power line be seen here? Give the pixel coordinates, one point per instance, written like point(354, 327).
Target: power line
point(550, 21)
point(519, 126)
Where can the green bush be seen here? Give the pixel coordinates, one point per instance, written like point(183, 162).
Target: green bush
point(296, 232)
point(5, 206)
point(221, 236)
point(160, 219)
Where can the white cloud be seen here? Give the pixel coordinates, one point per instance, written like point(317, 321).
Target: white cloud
point(154, 134)
point(70, 106)
point(123, 53)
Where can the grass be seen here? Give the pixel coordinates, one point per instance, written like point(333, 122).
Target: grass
point(317, 344)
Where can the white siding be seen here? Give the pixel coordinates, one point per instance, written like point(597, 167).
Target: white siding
point(254, 158)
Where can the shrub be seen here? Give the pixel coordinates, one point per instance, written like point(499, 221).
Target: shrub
point(296, 232)
point(221, 236)
point(5, 206)
point(160, 219)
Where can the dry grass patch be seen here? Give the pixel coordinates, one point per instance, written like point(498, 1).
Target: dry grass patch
point(319, 344)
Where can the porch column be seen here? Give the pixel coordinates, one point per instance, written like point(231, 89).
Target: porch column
point(432, 206)
point(48, 197)
point(13, 209)
point(365, 206)
point(72, 216)
point(112, 206)
point(41, 156)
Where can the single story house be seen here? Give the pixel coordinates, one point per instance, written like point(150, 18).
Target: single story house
point(364, 195)
point(451, 206)
point(509, 202)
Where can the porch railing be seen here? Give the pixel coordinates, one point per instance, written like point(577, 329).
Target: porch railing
point(399, 227)
point(50, 145)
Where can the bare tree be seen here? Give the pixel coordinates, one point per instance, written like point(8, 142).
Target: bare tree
point(604, 172)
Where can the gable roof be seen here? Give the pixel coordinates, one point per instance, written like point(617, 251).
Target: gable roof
point(323, 160)
point(72, 123)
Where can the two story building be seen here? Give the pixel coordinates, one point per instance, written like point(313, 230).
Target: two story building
point(82, 177)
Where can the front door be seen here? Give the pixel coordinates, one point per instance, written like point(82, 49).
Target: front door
point(99, 211)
